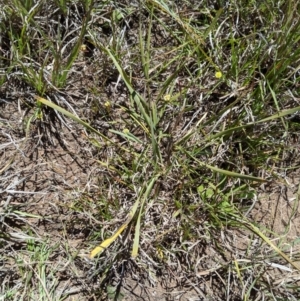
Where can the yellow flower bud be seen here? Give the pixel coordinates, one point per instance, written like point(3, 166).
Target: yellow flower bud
point(167, 97)
point(218, 74)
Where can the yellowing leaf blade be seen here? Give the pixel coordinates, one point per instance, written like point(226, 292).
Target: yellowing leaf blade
point(107, 242)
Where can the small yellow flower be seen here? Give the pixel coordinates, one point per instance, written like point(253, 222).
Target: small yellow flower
point(218, 74)
point(167, 97)
point(126, 131)
point(160, 253)
point(83, 48)
point(107, 104)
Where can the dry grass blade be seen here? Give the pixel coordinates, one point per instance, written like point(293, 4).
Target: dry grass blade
point(139, 202)
point(106, 243)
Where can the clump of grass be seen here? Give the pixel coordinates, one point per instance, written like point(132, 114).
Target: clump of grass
point(189, 119)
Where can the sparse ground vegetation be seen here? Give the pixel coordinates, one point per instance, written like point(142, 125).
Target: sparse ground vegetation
point(149, 150)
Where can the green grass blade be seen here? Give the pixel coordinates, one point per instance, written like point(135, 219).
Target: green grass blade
point(72, 116)
point(254, 229)
point(138, 223)
point(225, 172)
point(77, 119)
point(140, 102)
point(280, 114)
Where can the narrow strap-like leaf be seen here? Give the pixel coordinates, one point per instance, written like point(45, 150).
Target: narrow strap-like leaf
point(106, 243)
